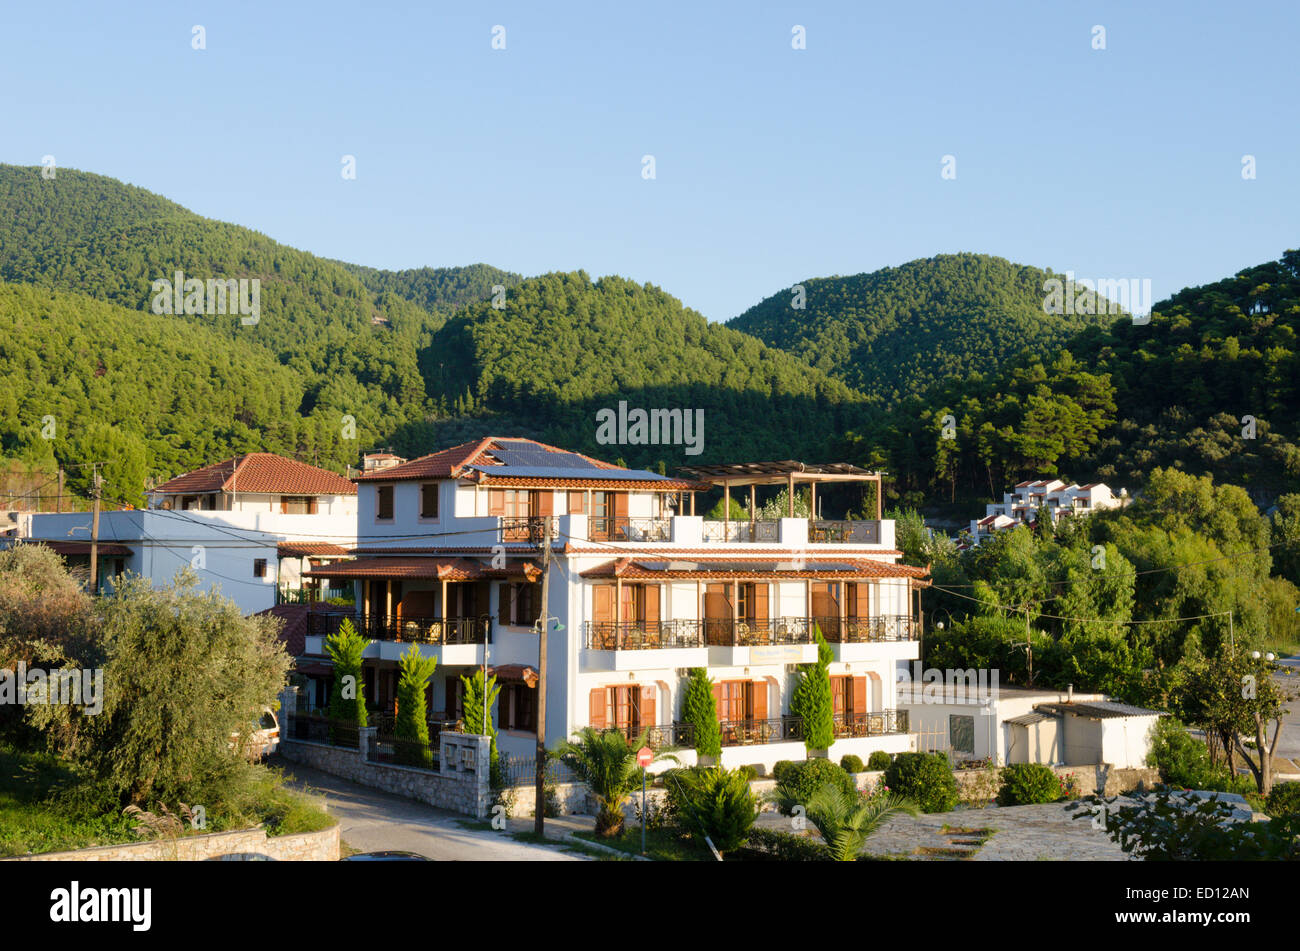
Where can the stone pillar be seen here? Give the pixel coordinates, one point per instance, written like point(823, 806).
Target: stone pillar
point(365, 736)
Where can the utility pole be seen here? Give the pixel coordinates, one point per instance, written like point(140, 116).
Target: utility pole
point(58, 507)
point(539, 803)
point(97, 480)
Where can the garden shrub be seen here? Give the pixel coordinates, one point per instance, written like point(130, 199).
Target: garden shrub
point(712, 801)
point(773, 845)
point(1283, 800)
point(879, 760)
point(801, 780)
point(1026, 784)
point(749, 772)
point(851, 764)
point(925, 778)
point(782, 768)
point(1184, 761)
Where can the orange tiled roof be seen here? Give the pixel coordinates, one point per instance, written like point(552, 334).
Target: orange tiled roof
point(259, 472)
point(309, 549)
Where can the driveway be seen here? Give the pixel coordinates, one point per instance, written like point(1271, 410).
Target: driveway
point(374, 821)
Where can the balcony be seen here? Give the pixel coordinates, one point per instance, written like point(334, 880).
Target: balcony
point(844, 532)
point(879, 637)
point(636, 645)
point(786, 729)
point(454, 640)
point(629, 529)
point(523, 528)
point(734, 532)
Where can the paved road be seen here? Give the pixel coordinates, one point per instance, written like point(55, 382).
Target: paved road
point(373, 821)
point(1289, 743)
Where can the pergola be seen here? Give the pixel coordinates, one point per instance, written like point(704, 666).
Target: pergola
point(788, 472)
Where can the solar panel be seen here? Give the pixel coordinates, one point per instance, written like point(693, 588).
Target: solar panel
point(541, 459)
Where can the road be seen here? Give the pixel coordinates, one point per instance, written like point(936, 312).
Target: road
point(375, 821)
point(1288, 744)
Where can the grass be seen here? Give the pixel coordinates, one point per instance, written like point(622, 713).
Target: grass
point(662, 845)
point(46, 807)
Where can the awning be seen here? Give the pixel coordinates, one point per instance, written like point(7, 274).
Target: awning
point(438, 569)
point(515, 673)
point(848, 569)
point(309, 549)
point(83, 548)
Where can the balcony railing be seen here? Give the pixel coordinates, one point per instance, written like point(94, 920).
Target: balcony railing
point(757, 632)
point(876, 723)
point(638, 635)
point(844, 531)
point(867, 630)
point(407, 629)
point(786, 729)
point(523, 528)
point(606, 528)
point(742, 531)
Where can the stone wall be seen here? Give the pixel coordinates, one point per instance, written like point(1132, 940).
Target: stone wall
point(248, 845)
point(981, 785)
point(461, 784)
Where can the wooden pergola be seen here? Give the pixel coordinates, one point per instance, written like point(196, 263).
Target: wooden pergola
point(787, 472)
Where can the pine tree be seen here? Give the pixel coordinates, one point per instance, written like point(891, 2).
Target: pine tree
point(700, 710)
point(812, 700)
point(412, 727)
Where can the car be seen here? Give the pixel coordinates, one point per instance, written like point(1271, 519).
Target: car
point(264, 737)
point(395, 856)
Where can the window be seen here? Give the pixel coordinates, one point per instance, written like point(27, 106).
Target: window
point(627, 708)
point(384, 502)
point(518, 708)
point(961, 734)
point(519, 603)
point(429, 500)
point(259, 567)
point(297, 505)
point(736, 701)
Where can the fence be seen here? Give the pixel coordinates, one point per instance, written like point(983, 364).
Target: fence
point(522, 770)
point(313, 728)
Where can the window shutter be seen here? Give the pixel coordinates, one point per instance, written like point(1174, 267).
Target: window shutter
point(717, 701)
point(760, 700)
point(597, 708)
point(620, 504)
point(860, 695)
point(546, 502)
point(577, 503)
point(648, 717)
point(602, 603)
point(760, 602)
point(652, 605)
point(505, 601)
point(496, 501)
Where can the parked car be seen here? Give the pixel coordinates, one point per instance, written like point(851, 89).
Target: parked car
point(396, 856)
point(264, 737)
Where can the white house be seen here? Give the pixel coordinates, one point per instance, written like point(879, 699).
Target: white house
point(641, 590)
point(1022, 505)
point(250, 525)
point(1017, 725)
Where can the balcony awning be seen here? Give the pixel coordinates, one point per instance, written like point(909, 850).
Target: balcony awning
point(847, 569)
point(775, 473)
point(309, 550)
point(82, 548)
point(515, 673)
point(437, 569)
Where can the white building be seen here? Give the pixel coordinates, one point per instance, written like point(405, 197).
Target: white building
point(1017, 725)
point(641, 590)
point(249, 525)
point(1021, 505)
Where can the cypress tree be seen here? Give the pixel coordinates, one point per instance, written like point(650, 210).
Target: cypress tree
point(812, 698)
point(473, 707)
point(412, 727)
point(347, 695)
point(700, 710)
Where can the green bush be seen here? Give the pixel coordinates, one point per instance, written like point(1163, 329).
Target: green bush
point(879, 760)
point(1184, 761)
point(712, 801)
point(749, 772)
point(925, 778)
point(782, 769)
point(851, 764)
point(801, 780)
point(1283, 800)
point(773, 845)
point(1026, 784)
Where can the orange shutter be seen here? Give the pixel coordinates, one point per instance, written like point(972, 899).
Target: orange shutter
point(577, 503)
point(760, 699)
point(652, 605)
point(546, 502)
point(839, 694)
point(496, 501)
point(717, 700)
point(760, 602)
point(859, 694)
point(597, 709)
point(602, 603)
point(620, 504)
point(648, 707)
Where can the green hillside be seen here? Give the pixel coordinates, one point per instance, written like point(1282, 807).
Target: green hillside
point(893, 332)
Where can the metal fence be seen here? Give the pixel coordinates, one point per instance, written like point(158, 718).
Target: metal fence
point(522, 770)
point(312, 728)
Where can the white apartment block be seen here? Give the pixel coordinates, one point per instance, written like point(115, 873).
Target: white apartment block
point(641, 590)
point(1022, 504)
point(249, 526)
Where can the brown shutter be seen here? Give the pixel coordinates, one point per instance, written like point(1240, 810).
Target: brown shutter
point(546, 502)
point(648, 707)
point(859, 694)
point(311, 505)
point(284, 506)
point(652, 605)
point(717, 700)
point(838, 694)
point(760, 699)
point(597, 709)
point(602, 603)
point(577, 503)
point(620, 504)
point(505, 599)
point(525, 610)
point(760, 602)
point(496, 501)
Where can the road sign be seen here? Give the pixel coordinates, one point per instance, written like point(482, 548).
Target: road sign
point(644, 756)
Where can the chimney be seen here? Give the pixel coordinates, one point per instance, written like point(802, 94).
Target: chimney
point(1069, 693)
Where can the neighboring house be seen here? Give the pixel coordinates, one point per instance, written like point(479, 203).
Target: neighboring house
point(248, 525)
point(1016, 725)
point(641, 590)
point(1021, 506)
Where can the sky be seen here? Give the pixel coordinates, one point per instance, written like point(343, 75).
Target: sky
point(771, 164)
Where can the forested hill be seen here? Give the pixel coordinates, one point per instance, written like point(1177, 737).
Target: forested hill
point(565, 346)
point(439, 290)
point(1209, 386)
point(891, 333)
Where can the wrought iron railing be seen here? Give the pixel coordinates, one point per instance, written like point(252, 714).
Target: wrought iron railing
point(749, 732)
point(608, 528)
point(522, 770)
point(639, 635)
point(874, 723)
point(289, 595)
point(322, 729)
point(867, 630)
point(524, 528)
point(759, 530)
point(407, 629)
point(844, 531)
point(757, 632)
point(660, 735)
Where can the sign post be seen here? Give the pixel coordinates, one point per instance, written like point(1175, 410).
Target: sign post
point(644, 756)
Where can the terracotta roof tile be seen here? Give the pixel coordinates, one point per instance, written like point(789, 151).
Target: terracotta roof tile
point(259, 472)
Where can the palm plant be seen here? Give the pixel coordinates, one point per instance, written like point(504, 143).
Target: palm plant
point(844, 820)
point(605, 761)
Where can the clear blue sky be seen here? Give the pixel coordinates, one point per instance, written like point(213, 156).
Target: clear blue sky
point(772, 164)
